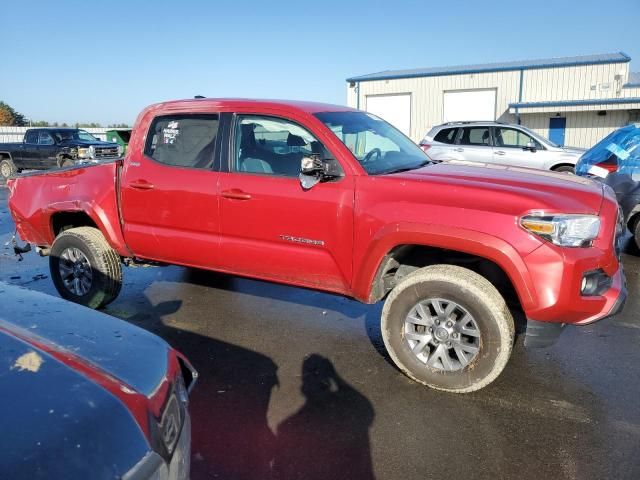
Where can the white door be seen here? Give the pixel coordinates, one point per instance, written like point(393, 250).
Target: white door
point(469, 105)
point(395, 109)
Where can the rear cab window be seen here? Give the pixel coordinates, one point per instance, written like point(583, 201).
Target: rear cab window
point(446, 135)
point(475, 136)
point(183, 140)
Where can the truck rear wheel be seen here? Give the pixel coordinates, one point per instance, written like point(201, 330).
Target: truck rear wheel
point(448, 328)
point(7, 168)
point(84, 268)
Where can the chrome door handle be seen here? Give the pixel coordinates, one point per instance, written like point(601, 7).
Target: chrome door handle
point(500, 152)
point(236, 194)
point(458, 149)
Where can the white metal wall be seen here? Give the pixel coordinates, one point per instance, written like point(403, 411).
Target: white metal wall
point(584, 129)
point(548, 84)
point(16, 134)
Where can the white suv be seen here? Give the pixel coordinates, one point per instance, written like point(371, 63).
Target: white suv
point(493, 142)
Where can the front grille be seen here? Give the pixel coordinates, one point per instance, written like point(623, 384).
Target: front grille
point(106, 152)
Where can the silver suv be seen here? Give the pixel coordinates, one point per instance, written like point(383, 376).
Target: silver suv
point(494, 142)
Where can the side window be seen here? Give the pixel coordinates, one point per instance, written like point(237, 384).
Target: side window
point(272, 146)
point(31, 137)
point(510, 137)
point(183, 140)
point(476, 136)
point(45, 138)
point(446, 135)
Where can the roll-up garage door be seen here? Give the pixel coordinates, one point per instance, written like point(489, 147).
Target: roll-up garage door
point(469, 105)
point(395, 109)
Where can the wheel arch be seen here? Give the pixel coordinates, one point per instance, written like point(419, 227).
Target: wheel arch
point(412, 249)
point(81, 214)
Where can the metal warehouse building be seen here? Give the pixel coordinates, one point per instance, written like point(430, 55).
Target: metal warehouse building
point(574, 101)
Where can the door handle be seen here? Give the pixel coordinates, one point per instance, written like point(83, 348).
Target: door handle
point(236, 194)
point(500, 152)
point(142, 185)
point(458, 149)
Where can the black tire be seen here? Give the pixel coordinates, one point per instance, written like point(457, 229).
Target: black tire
point(106, 269)
point(472, 293)
point(565, 168)
point(65, 162)
point(7, 168)
point(636, 230)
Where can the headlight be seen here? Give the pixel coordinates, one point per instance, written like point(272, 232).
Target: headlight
point(120, 150)
point(84, 152)
point(564, 230)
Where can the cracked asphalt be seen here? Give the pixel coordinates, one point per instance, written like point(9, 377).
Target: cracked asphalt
point(296, 384)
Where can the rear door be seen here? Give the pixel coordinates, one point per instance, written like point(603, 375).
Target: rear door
point(169, 190)
point(30, 152)
point(271, 227)
point(474, 144)
point(512, 148)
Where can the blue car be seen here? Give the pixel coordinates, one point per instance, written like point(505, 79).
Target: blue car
point(615, 161)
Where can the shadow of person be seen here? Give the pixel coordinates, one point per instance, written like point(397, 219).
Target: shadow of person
point(230, 436)
point(329, 436)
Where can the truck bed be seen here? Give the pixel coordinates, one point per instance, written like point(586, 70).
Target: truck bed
point(90, 190)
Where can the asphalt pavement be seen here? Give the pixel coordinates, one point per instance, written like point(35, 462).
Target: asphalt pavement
point(296, 384)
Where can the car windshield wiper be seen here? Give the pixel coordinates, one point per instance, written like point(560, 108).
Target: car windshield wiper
point(406, 169)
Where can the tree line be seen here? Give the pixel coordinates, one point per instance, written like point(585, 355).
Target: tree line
point(11, 118)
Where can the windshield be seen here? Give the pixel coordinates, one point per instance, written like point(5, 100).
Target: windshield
point(619, 150)
point(540, 138)
point(379, 147)
point(74, 135)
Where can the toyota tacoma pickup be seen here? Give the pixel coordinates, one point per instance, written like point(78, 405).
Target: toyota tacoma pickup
point(336, 199)
point(44, 148)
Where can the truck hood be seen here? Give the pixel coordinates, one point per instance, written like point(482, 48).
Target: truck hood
point(506, 189)
point(87, 143)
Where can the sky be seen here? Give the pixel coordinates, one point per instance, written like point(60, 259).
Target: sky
point(103, 61)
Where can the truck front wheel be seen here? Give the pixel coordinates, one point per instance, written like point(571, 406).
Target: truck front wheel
point(84, 268)
point(448, 328)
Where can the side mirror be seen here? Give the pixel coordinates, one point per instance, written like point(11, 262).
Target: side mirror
point(313, 170)
point(531, 146)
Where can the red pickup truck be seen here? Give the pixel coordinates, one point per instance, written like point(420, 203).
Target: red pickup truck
point(335, 199)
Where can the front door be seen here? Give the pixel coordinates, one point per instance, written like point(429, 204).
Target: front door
point(557, 127)
point(271, 227)
point(169, 191)
point(46, 150)
point(514, 147)
point(474, 145)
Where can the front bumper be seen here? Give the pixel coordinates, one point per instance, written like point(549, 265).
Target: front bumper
point(544, 334)
point(153, 466)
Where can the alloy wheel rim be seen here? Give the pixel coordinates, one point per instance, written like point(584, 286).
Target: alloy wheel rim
point(5, 170)
point(75, 271)
point(442, 334)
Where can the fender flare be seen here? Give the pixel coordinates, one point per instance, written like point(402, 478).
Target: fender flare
point(112, 233)
point(452, 238)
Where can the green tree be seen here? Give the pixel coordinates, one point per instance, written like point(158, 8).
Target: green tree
point(8, 116)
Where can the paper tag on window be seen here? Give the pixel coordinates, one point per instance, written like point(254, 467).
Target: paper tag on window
point(619, 152)
point(598, 171)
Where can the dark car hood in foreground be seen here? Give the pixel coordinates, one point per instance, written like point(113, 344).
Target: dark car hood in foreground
point(132, 355)
point(509, 189)
point(56, 423)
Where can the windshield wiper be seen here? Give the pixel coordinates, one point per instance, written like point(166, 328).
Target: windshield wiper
point(406, 169)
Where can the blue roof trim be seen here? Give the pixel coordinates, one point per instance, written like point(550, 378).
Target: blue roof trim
point(619, 57)
point(572, 103)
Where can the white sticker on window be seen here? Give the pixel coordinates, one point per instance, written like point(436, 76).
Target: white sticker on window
point(171, 132)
